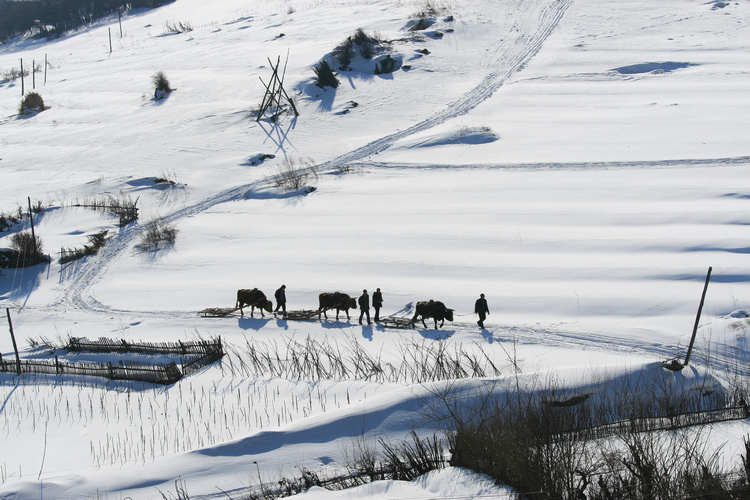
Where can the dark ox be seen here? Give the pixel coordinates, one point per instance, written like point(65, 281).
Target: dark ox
point(336, 300)
point(433, 309)
point(253, 298)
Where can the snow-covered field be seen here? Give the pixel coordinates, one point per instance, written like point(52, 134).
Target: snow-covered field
point(580, 162)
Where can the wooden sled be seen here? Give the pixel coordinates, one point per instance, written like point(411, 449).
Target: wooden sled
point(301, 315)
point(394, 322)
point(216, 312)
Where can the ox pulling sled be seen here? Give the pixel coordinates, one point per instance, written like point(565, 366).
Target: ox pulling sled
point(217, 312)
point(394, 322)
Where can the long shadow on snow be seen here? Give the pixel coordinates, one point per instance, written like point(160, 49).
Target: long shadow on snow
point(252, 323)
point(19, 283)
point(277, 135)
point(266, 441)
point(253, 194)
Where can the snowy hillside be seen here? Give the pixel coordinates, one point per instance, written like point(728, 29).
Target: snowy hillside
point(582, 163)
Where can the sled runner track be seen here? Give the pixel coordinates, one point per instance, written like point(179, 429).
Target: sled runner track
point(548, 19)
point(600, 165)
point(79, 294)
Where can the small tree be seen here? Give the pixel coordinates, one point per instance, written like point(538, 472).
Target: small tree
point(31, 103)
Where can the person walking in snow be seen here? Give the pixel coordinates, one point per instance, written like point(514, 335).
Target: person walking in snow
point(364, 306)
point(281, 299)
point(377, 303)
point(480, 308)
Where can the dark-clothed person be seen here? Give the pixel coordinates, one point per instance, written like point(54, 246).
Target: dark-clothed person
point(480, 308)
point(364, 306)
point(281, 299)
point(377, 303)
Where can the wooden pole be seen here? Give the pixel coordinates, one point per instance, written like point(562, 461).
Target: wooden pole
point(22, 92)
point(45, 69)
point(13, 338)
point(33, 74)
point(697, 318)
point(31, 219)
point(110, 39)
point(119, 19)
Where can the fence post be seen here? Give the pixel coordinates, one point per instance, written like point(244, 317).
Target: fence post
point(13, 338)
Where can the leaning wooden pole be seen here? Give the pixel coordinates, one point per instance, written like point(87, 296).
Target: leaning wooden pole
point(31, 219)
point(13, 338)
point(697, 318)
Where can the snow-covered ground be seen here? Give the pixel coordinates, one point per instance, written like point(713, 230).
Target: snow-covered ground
point(580, 162)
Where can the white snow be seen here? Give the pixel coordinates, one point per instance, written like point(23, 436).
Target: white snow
point(580, 162)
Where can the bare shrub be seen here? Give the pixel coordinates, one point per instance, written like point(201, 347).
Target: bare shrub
point(161, 85)
point(26, 250)
point(31, 103)
point(368, 44)
point(324, 75)
point(293, 174)
point(156, 234)
point(343, 52)
point(177, 27)
point(430, 8)
point(407, 460)
point(8, 219)
point(26, 244)
point(13, 74)
point(122, 205)
point(617, 442)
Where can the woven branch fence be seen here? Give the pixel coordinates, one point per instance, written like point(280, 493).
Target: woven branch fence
point(202, 347)
point(124, 370)
point(193, 356)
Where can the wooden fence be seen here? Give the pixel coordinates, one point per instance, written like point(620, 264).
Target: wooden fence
point(201, 348)
point(127, 212)
point(193, 356)
point(124, 370)
point(668, 422)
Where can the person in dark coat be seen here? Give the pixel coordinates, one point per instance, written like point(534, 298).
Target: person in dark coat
point(480, 308)
point(364, 306)
point(377, 303)
point(281, 299)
